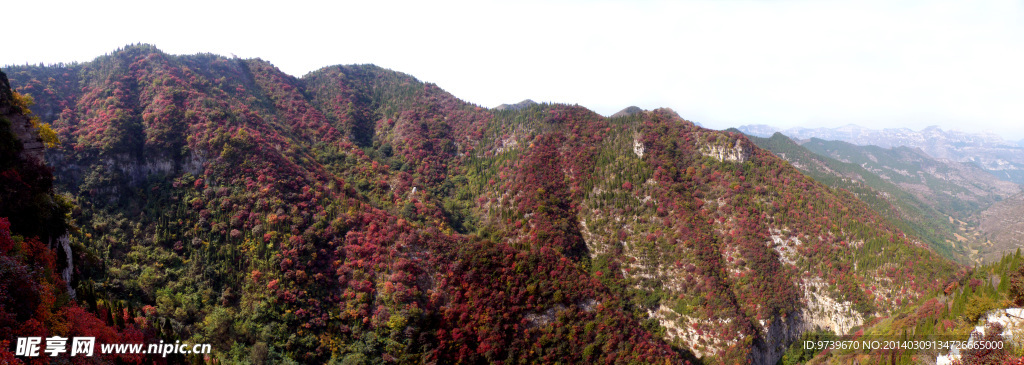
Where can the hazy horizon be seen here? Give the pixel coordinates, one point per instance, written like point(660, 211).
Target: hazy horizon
point(991, 134)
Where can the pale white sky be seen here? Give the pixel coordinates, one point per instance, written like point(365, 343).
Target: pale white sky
point(723, 63)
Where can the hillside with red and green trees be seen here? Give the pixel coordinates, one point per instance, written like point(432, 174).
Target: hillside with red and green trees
point(358, 215)
point(35, 300)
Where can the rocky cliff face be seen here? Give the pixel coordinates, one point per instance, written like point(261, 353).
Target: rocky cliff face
point(778, 335)
point(1011, 320)
point(822, 311)
point(735, 153)
point(26, 183)
point(26, 194)
point(21, 124)
point(819, 308)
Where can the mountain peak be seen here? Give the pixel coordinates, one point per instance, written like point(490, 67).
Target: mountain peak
point(630, 110)
point(517, 106)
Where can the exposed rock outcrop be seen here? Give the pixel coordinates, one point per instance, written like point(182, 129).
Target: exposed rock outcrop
point(736, 153)
point(21, 125)
point(65, 244)
point(1011, 320)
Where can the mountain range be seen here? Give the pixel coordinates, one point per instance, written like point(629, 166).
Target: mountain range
point(939, 200)
point(1003, 159)
point(360, 215)
point(962, 190)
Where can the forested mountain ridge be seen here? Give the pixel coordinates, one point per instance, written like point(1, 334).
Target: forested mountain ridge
point(958, 189)
point(359, 214)
point(935, 200)
point(988, 151)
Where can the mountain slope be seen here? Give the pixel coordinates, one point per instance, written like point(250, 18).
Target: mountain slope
point(951, 205)
point(956, 188)
point(239, 235)
point(1003, 225)
point(988, 151)
point(35, 300)
point(362, 215)
point(920, 218)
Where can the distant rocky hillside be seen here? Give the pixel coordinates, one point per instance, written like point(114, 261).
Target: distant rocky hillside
point(957, 189)
point(912, 214)
point(1003, 159)
point(1003, 225)
point(973, 200)
point(939, 200)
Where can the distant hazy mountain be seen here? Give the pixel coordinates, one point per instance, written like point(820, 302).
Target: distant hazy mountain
point(759, 130)
point(911, 214)
point(932, 199)
point(1002, 158)
point(630, 110)
point(517, 106)
point(961, 210)
point(958, 189)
